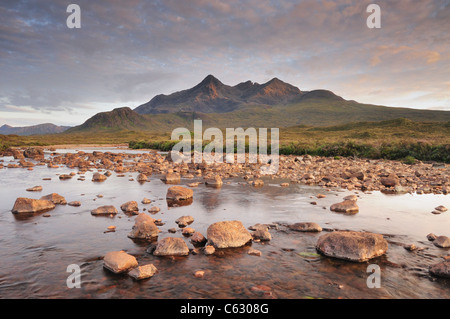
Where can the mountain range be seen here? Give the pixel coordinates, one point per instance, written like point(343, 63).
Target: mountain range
point(40, 129)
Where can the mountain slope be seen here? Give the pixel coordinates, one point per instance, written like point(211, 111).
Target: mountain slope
point(40, 129)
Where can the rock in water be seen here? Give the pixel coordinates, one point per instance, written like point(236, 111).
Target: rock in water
point(179, 193)
point(55, 198)
point(441, 269)
point(119, 261)
point(442, 241)
point(214, 182)
point(143, 272)
point(171, 178)
point(228, 234)
point(171, 246)
point(351, 245)
point(97, 177)
point(104, 210)
point(306, 227)
point(34, 189)
point(198, 239)
point(144, 228)
point(183, 221)
point(28, 205)
point(347, 206)
point(130, 207)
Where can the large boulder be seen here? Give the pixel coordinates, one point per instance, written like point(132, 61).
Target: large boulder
point(179, 193)
point(351, 245)
point(441, 269)
point(171, 246)
point(347, 206)
point(104, 210)
point(306, 227)
point(29, 205)
point(144, 228)
point(119, 261)
point(228, 234)
point(55, 198)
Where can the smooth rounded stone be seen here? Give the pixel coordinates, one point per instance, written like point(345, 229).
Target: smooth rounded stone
point(183, 221)
point(214, 182)
point(154, 210)
point(262, 234)
point(198, 239)
point(46, 215)
point(442, 242)
point(351, 197)
point(29, 205)
point(55, 198)
point(228, 234)
point(188, 231)
point(172, 230)
point(34, 189)
point(143, 272)
point(389, 181)
point(284, 184)
point(142, 177)
point(104, 210)
point(320, 196)
point(74, 203)
point(171, 178)
point(436, 212)
point(254, 252)
point(179, 193)
point(65, 176)
point(146, 201)
point(111, 228)
point(199, 274)
point(144, 228)
point(97, 177)
point(441, 269)
point(351, 245)
point(441, 208)
point(119, 261)
point(431, 237)
point(209, 250)
point(195, 184)
point(258, 183)
point(347, 206)
point(306, 227)
point(171, 246)
point(130, 207)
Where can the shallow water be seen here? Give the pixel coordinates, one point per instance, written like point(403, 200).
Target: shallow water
point(35, 251)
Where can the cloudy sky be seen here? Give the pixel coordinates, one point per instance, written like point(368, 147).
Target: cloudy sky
point(128, 51)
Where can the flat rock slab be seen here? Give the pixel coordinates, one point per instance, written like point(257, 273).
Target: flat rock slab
point(441, 269)
point(228, 234)
point(29, 205)
point(119, 261)
point(34, 189)
point(55, 198)
point(105, 210)
point(306, 227)
point(171, 246)
point(143, 272)
point(353, 246)
point(347, 206)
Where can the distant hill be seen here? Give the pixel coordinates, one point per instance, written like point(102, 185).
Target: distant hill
point(40, 129)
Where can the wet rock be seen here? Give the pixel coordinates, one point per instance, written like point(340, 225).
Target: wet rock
point(228, 234)
point(179, 193)
point(28, 205)
point(172, 230)
point(143, 272)
point(209, 250)
point(410, 247)
point(390, 181)
point(441, 208)
point(254, 252)
point(305, 227)
point(97, 177)
point(34, 189)
point(199, 274)
point(74, 203)
point(214, 182)
point(197, 239)
point(320, 196)
point(144, 228)
point(171, 178)
point(33, 152)
point(258, 183)
point(284, 184)
point(347, 206)
point(65, 176)
point(104, 210)
point(119, 261)
point(171, 246)
point(188, 231)
point(262, 234)
point(441, 269)
point(442, 242)
point(55, 198)
point(351, 245)
point(130, 207)
point(154, 210)
point(351, 197)
point(183, 221)
point(142, 178)
point(146, 201)
point(431, 237)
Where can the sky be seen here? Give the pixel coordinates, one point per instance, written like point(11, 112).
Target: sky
point(126, 52)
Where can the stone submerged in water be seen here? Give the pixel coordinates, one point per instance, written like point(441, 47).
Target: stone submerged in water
point(228, 234)
point(171, 246)
point(119, 261)
point(104, 210)
point(144, 228)
point(29, 205)
point(351, 245)
point(441, 269)
point(143, 272)
point(347, 207)
point(306, 227)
